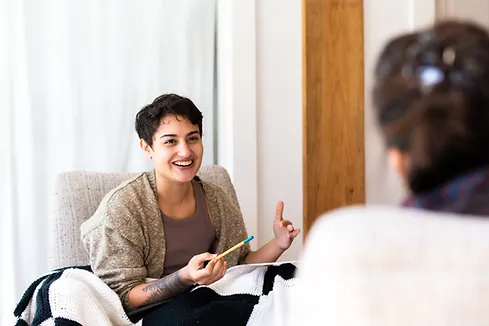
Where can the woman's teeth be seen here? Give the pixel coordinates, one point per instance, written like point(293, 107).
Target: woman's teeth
point(183, 163)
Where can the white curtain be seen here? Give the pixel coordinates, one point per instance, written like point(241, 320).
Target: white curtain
point(73, 74)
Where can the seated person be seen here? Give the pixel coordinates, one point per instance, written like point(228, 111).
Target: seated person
point(431, 102)
point(166, 224)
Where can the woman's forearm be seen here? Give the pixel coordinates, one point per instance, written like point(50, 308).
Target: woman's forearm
point(270, 252)
point(158, 290)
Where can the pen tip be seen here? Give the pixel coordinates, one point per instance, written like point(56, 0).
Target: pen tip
point(249, 239)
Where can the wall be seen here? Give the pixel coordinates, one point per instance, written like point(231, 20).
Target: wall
point(477, 10)
point(279, 114)
point(384, 19)
point(260, 110)
point(259, 101)
point(236, 104)
point(260, 136)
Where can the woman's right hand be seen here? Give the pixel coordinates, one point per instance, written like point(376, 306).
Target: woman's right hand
point(194, 273)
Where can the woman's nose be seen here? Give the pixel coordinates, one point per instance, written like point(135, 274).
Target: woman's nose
point(183, 149)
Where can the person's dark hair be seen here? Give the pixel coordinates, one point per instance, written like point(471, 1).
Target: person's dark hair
point(149, 117)
point(431, 100)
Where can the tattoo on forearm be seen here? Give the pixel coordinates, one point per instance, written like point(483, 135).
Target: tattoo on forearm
point(164, 288)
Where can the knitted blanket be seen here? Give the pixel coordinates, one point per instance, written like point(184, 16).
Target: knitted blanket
point(247, 295)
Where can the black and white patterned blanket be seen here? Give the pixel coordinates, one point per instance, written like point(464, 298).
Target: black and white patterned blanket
point(247, 295)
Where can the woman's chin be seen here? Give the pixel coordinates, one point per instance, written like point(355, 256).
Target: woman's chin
point(184, 174)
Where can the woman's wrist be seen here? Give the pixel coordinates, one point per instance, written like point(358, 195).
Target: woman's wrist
point(279, 246)
point(184, 276)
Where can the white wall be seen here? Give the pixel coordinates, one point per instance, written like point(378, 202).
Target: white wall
point(260, 63)
point(260, 110)
point(477, 10)
point(279, 114)
point(382, 20)
point(260, 105)
point(236, 111)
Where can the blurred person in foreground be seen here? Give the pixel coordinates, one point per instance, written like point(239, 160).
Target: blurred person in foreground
point(423, 262)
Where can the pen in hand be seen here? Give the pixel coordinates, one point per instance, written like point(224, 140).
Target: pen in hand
point(242, 243)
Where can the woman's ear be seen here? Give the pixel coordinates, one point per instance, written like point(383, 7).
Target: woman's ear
point(398, 161)
point(146, 148)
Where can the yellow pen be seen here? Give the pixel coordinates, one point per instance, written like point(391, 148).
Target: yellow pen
point(242, 243)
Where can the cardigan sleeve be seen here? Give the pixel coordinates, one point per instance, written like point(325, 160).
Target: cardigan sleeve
point(115, 247)
point(237, 229)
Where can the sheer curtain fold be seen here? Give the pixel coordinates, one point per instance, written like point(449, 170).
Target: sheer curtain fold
point(74, 74)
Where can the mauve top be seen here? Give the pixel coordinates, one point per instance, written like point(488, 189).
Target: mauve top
point(188, 237)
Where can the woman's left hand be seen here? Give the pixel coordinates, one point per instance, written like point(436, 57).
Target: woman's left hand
point(283, 229)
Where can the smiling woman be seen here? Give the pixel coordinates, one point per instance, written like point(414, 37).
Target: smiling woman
point(167, 223)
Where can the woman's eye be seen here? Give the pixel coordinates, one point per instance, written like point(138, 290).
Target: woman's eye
point(194, 139)
point(170, 141)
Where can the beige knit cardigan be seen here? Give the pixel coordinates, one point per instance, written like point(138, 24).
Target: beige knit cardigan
point(125, 238)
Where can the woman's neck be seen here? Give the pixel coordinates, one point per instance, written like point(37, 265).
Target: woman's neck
point(173, 193)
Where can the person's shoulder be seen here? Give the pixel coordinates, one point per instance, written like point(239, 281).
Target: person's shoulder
point(116, 206)
point(358, 212)
point(130, 191)
point(356, 217)
point(374, 216)
point(364, 228)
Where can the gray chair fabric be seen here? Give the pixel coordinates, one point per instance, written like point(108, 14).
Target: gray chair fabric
point(77, 196)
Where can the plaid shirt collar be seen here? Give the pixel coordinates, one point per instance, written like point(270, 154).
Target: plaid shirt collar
point(467, 194)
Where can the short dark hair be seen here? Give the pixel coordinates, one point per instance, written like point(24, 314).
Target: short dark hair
point(441, 123)
point(149, 117)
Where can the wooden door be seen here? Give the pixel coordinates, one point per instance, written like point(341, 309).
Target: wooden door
point(333, 106)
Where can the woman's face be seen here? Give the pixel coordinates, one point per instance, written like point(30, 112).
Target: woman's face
point(177, 149)
point(399, 162)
